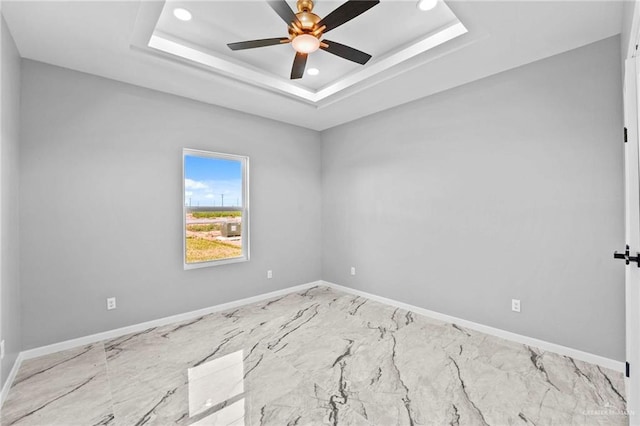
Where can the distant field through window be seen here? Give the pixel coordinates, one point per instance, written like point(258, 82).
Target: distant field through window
point(216, 225)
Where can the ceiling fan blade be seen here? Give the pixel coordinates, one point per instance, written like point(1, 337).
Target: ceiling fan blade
point(298, 65)
point(346, 52)
point(252, 44)
point(346, 12)
point(284, 11)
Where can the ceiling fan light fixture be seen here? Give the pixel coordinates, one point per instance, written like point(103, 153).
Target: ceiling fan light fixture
point(425, 5)
point(305, 43)
point(182, 14)
point(306, 29)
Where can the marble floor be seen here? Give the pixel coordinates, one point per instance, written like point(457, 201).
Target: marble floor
point(312, 358)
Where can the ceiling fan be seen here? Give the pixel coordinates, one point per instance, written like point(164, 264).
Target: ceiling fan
point(306, 30)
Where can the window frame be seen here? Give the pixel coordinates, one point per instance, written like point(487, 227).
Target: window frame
point(244, 161)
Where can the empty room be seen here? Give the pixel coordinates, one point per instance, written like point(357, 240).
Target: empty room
point(301, 212)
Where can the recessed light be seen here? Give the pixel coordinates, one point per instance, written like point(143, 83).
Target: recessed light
point(182, 14)
point(425, 5)
point(313, 71)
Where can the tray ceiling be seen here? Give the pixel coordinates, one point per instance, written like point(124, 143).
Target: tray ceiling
point(203, 41)
point(111, 39)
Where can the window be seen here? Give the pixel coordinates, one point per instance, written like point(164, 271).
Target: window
point(216, 208)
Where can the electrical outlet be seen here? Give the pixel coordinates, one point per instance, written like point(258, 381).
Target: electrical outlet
point(269, 274)
point(111, 303)
point(2, 349)
point(353, 270)
point(515, 305)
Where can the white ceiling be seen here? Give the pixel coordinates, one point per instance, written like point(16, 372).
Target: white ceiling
point(216, 23)
point(204, 44)
point(218, 27)
point(101, 38)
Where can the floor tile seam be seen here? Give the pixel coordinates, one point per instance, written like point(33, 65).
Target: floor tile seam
point(109, 385)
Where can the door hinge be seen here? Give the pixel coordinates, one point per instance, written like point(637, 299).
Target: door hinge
point(626, 256)
point(626, 369)
point(625, 134)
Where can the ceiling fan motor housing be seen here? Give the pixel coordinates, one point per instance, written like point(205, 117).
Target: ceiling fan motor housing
point(308, 20)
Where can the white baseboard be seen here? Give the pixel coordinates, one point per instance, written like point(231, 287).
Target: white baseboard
point(507, 335)
point(10, 378)
point(111, 334)
point(518, 338)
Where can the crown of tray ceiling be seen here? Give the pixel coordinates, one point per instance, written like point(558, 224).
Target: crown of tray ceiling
point(392, 32)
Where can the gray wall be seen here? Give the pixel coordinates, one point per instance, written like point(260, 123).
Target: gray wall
point(508, 187)
point(9, 278)
point(100, 200)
